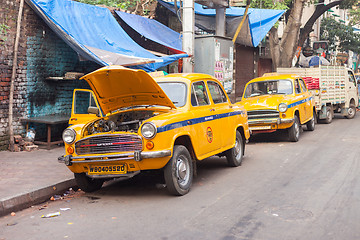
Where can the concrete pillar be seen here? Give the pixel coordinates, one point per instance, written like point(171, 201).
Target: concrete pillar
point(220, 22)
point(188, 25)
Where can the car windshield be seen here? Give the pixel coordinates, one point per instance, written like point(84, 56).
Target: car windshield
point(176, 91)
point(269, 87)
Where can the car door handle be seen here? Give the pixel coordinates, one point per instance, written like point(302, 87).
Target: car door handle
point(212, 110)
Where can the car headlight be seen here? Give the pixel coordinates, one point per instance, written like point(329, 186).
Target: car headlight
point(69, 135)
point(148, 130)
point(283, 107)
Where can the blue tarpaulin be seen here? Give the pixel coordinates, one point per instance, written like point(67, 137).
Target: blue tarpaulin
point(257, 25)
point(153, 30)
point(94, 33)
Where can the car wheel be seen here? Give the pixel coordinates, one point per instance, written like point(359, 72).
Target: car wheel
point(351, 112)
point(294, 130)
point(234, 155)
point(88, 184)
point(329, 115)
point(310, 125)
point(178, 172)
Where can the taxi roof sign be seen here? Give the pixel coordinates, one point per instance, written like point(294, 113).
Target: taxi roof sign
point(270, 74)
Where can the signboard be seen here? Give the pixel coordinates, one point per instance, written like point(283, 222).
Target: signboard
point(320, 46)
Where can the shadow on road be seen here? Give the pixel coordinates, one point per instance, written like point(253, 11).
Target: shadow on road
point(152, 183)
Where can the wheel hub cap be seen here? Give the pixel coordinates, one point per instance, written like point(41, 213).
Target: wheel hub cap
point(182, 171)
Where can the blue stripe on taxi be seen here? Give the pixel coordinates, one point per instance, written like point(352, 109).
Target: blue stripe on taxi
point(299, 102)
point(196, 121)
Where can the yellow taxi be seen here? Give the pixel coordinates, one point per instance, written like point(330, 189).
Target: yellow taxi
point(279, 101)
point(129, 122)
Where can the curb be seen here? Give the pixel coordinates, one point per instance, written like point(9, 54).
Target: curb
point(26, 200)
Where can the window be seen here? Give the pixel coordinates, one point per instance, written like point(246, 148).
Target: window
point(83, 100)
point(303, 85)
point(176, 91)
point(199, 96)
point(216, 92)
point(351, 78)
point(297, 86)
point(269, 87)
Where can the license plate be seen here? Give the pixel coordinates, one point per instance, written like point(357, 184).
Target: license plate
point(108, 169)
point(260, 128)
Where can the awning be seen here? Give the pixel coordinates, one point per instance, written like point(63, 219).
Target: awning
point(95, 35)
point(257, 24)
point(153, 30)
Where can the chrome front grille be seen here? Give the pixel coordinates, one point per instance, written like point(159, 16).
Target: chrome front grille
point(262, 114)
point(108, 143)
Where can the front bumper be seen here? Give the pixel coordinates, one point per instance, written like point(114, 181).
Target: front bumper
point(137, 156)
point(267, 124)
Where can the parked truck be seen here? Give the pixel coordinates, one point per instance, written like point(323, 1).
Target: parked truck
point(334, 89)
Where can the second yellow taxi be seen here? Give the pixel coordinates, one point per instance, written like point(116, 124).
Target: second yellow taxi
point(279, 101)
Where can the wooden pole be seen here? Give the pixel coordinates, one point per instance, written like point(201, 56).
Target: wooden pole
point(13, 75)
point(242, 21)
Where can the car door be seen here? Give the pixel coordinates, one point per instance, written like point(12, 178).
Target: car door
point(205, 133)
point(352, 90)
point(300, 100)
point(223, 109)
point(307, 96)
point(84, 107)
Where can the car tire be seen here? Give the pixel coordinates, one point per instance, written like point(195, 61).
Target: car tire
point(234, 155)
point(294, 130)
point(310, 125)
point(88, 184)
point(178, 172)
point(351, 112)
point(329, 115)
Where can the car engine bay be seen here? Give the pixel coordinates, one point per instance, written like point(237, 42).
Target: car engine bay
point(129, 121)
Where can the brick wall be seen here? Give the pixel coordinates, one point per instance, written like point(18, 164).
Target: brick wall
point(41, 54)
point(8, 16)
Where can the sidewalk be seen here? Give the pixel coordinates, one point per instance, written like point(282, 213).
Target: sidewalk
point(28, 178)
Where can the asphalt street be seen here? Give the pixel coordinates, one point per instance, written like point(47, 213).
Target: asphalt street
point(283, 190)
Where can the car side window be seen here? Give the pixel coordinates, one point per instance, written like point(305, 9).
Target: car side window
point(216, 92)
point(297, 87)
point(199, 95)
point(83, 100)
point(303, 85)
point(351, 78)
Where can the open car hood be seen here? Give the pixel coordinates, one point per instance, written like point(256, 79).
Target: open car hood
point(118, 87)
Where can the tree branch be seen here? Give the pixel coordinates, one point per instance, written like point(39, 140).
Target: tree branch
point(320, 9)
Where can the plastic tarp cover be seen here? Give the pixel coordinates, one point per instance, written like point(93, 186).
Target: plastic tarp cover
point(256, 26)
point(95, 34)
point(153, 30)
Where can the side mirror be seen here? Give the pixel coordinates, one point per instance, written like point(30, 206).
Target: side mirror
point(94, 110)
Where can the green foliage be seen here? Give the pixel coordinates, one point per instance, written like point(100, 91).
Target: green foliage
point(355, 14)
point(348, 4)
point(123, 4)
point(271, 4)
point(340, 36)
point(3, 32)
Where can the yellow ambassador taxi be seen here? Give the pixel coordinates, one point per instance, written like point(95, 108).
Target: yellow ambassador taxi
point(279, 101)
point(130, 122)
